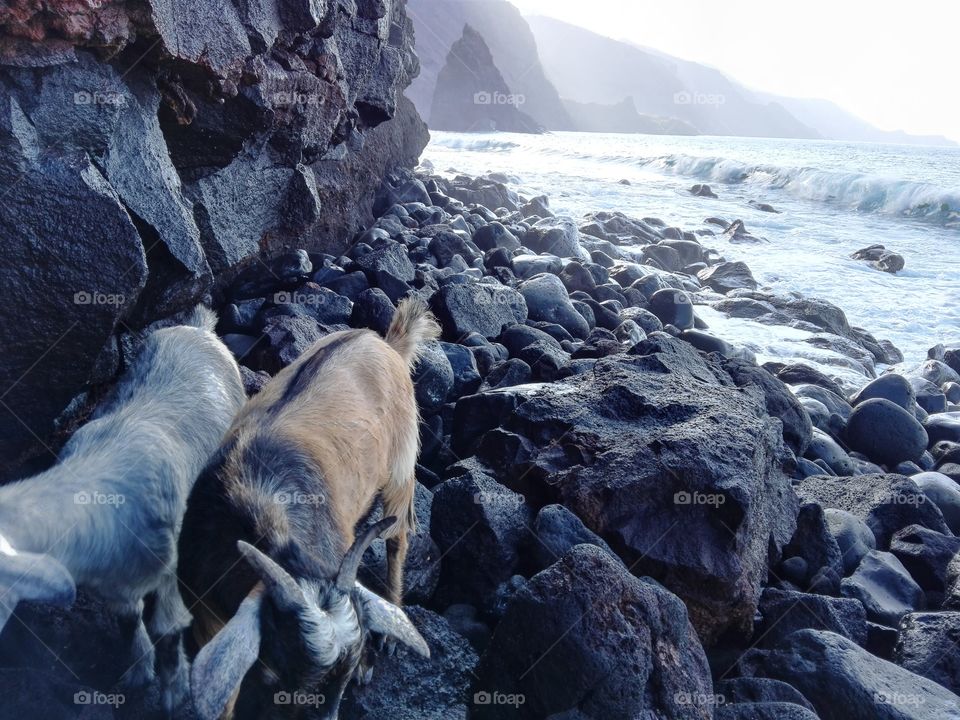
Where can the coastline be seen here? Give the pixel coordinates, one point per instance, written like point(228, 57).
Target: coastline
point(588, 444)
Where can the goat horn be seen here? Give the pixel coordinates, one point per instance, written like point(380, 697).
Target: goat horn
point(347, 577)
point(283, 589)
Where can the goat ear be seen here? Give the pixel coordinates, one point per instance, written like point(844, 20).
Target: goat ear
point(385, 618)
point(222, 663)
point(32, 576)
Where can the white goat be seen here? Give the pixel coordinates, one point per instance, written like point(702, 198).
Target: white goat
point(108, 514)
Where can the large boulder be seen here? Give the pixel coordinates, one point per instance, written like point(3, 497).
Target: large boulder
point(547, 300)
point(885, 588)
point(661, 455)
point(477, 307)
point(845, 682)
point(885, 432)
point(584, 638)
point(785, 611)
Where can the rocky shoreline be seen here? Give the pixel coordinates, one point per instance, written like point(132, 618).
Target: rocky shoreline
point(621, 515)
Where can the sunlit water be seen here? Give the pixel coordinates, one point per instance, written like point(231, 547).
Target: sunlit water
point(834, 198)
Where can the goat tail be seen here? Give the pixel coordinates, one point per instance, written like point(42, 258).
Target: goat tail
point(412, 325)
point(201, 317)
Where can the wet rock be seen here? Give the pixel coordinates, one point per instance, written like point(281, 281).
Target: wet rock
point(748, 308)
point(895, 388)
point(726, 276)
point(702, 190)
point(556, 236)
point(845, 682)
point(763, 207)
point(885, 588)
point(880, 258)
point(802, 374)
point(885, 432)
point(938, 372)
point(833, 401)
point(628, 664)
point(673, 307)
point(943, 426)
point(526, 266)
point(663, 257)
point(929, 397)
point(736, 234)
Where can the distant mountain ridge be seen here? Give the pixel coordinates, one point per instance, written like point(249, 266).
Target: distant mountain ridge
point(438, 24)
point(826, 117)
point(567, 78)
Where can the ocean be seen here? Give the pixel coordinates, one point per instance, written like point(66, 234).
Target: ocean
point(833, 197)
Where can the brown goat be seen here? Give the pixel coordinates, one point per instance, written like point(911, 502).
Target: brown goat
point(299, 468)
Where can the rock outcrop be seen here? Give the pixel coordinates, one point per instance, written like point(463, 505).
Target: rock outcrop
point(471, 94)
point(664, 457)
point(148, 149)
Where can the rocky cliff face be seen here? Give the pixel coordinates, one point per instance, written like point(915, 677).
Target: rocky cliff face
point(439, 24)
point(148, 149)
point(471, 94)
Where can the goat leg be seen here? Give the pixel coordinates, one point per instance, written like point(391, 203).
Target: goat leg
point(140, 672)
point(169, 618)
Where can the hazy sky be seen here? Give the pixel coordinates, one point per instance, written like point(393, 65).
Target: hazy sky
point(893, 63)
